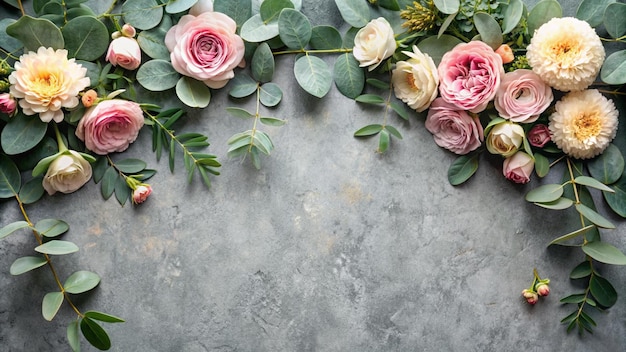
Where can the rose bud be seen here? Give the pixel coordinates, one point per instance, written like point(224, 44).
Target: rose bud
point(67, 173)
point(7, 103)
point(539, 135)
point(141, 193)
point(505, 138)
point(518, 168)
point(125, 52)
point(89, 98)
point(543, 289)
point(505, 53)
point(128, 31)
point(530, 296)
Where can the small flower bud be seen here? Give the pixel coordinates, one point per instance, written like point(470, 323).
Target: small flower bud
point(505, 53)
point(116, 35)
point(530, 296)
point(8, 105)
point(141, 193)
point(128, 31)
point(5, 68)
point(89, 98)
point(543, 289)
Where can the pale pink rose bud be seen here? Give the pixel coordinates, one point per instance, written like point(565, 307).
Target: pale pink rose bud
point(128, 31)
point(505, 53)
point(543, 289)
point(125, 52)
point(539, 135)
point(530, 296)
point(7, 103)
point(89, 97)
point(141, 193)
point(518, 168)
point(374, 43)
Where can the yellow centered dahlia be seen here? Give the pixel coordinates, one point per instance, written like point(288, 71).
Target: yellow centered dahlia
point(584, 123)
point(46, 81)
point(566, 53)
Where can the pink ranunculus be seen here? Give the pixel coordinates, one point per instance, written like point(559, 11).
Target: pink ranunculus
point(125, 52)
point(452, 128)
point(522, 96)
point(469, 75)
point(206, 47)
point(141, 193)
point(110, 126)
point(7, 103)
point(518, 167)
point(539, 135)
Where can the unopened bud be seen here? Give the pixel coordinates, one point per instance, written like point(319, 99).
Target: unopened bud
point(89, 98)
point(543, 289)
point(128, 31)
point(505, 53)
point(530, 296)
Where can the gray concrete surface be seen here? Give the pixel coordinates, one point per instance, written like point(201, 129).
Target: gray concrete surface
point(329, 247)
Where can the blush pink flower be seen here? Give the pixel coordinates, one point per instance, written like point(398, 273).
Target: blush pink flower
point(539, 135)
point(141, 193)
point(7, 104)
point(125, 52)
point(452, 128)
point(518, 168)
point(46, 81)
point(206, 47)
point(469, 75)
point(522, 96)
point(110, 126)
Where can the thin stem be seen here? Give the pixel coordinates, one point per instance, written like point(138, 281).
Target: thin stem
point(61, 144)
point(256, 116)
point(320, 51)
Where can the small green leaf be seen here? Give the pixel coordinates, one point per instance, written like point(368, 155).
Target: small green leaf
point(348, 76)
point(582, 270)
point(238, 10)
point(294, 29)
point(489, 29)
point(10, 180)
point(592, 11)
point(130, 165)
point(25, 264)
point(157, 75)
point(95, 334)
point(272, 121)
point(177, 6)
point(242, 86)
point(575, 298)
point(12, 227)
point(572, 235)
point(609, 166)
point(394, 132)
point(448, 6)
point(193, 93)
point(378, 83)
point(313, 75)
point(559, 204)
point(383, 141)
point(270, 94)
point(72, 336)
point(254, 30)
point(7, 42)
point(32, 191)
point(142, 14)
point(603, 291)
point(86, 38)
point(542, 165)
point(545, 193)
point(325, 38)
point(593, 183)
point(262, 64)
point(56, 247)
point(544, 11)
point(400, 109)
point(512, 15)
point(436, 47)
point(22, 133)
point(594, 217)
point(81, 281)
point(107, 185)
point(51, 227)
point(355, 12)
point(107, 318)
point(462, 169)
point(368, 130)
point(614, 19)
point(51, 303)
point(239, 112)
point(614, 68)
point(604, 253)
point(152, 42)
point(370, 99)
point(617, 200)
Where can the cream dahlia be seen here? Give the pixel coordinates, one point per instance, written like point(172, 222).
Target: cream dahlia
point(566, 53)
point(46, 81)
point(584, 123)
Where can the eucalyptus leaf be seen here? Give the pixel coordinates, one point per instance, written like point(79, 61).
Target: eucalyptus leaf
point(177, 6)
point(370, 99)
point(12, 227)
point(56, 247)
point(255, 30)
point(7, 42)
point(35, 33)
point(348, 76)
point(32, 190)
point(26, 264)
point(617, 200)
point(512, 15)
point(604, 253)
point(462, 169)
point(262, 64)
point(242, 86)
point(448, 6)
point(581, 270)
point(614, 19)
point(559, 204)
point(542, 165)
point(157, 75)
point(572, 235)
point(271, 9)
point(107, 185)
point(544, 11)
point(10, 180)
point(608, 167)
point(573, 299)
point(73, 338)
point(81, 281)
point(325, 38)
point(239, 112)
point(389, 5)
point(130, 165)
point(592, 11)
point(614, 68)
point(592, 182)
point(270, 94)
point(193, 93)
point(142, 14)
point(107, 318)
point(393, 131)
point(238, 10)
point(436, 47)
point(545, 193)
point(313, 75)
point(272, 121)
point(294, 29)
point(95, 334)
point(51, 227)
point(355, 12)
point(22, 133)
point(368, 130)
point(489, 29)
point(86, 38)
point(51, 303)
point(152, 42)
point(603, 291)
point(593, 216)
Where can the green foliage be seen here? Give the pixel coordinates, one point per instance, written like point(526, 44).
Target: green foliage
point(462, 169)
point(313, 75)
point(592, 11)
point(81, 281)
point(52, 301)
point(489, 29)
point(325, 38)
point(238, 10)
point(348, 76)
point(608, 167)
point(614, 68)
point(157, 75)
point(294, 29)
point(436, 47)
point(10, 180)
point(86, 38)
point(152, 42)
point(513, 13)
point(270, 94)
point(255, 30)
point(142, 14)
point(262, 66)
point(176, 6)
point(12, 227)
point(22, 134)
point(51, 227)
point(95, 334)
point(544, 11)
point(355, 12)
point(193, 93)
point(36, 32)
point(57, 247)
point(614, 19)
point(271, 9)
point(26, 264)
point(604, 252)
point(447, 6)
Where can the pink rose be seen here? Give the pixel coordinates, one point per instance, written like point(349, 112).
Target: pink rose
point(522, 96)
point(518, 167)
point(205, 47)
point(141, 193)
point(125, 52)
point(110, 126)
point(7, 103)
point(539, 135)
point(452, 128)
point(469, 75)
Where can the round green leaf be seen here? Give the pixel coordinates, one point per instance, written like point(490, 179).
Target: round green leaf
point(604, 252)
point(86, 38)
point(617, 200)
point(152, 42)
point(73, 338)
point(325, 38)
point(12, 227)
point(262, 64)
point(559, 204)
point(614, 19)
point(242, 86)
point(436, 47)
point(81, 281)
point(489, 29)
point(592, 11)
point(512, 15)
point(462, 169)
point(270, 9)
point(10, 180)
point(56, 247)
point(32, 191)
point(294, 29)
point(238, 10)
point(255, 30)
point(355, 12)
point(22, 133)
point(448, 6)
point(176, 6)
point(545, 193)
point(26, 264)
point(157, 75)
point(313, 75)
point(36, 32)
point(107, 318)
point(542, 165)
point(130, 165)
point(142, 14)
point(51, 303)
point(95, 334)
point(51, 227)
point(270, 94)
point(603, 291)
point(593, 216)
point(609, 166)
point(543, 12)
point(348, 76)
point(614, 68)
point(239, 112)
point(193, 93)
point(7, 42)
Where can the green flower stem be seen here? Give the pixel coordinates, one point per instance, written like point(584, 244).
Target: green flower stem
point(307, 52)
point(47, 257)
point(60, 143)
point(256, 116)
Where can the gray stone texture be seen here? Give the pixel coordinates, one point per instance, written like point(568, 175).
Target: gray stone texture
point(329, 247)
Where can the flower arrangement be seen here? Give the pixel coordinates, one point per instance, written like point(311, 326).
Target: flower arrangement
point(488, 77)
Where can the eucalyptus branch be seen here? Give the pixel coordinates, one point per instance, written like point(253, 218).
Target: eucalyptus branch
point(172, 136)
point(318, 51)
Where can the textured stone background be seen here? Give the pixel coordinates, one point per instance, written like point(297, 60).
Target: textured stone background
point(329, 247)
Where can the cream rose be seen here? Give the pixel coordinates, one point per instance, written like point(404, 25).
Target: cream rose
point(505, 139)
point(415, 81)
point(110, 126)
point(206, 47)
point(374, 43)
point(67, 173)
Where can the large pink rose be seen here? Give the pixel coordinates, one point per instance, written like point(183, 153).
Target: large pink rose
point(452, 128)
point(469, 75)
point(205, 47)
point(110, 126)
point(522, 96)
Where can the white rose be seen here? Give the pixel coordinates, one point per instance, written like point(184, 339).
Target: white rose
point(415, 81)
point(201, 6)
point(505, 139)
point(67, 173)
point(374, 43)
